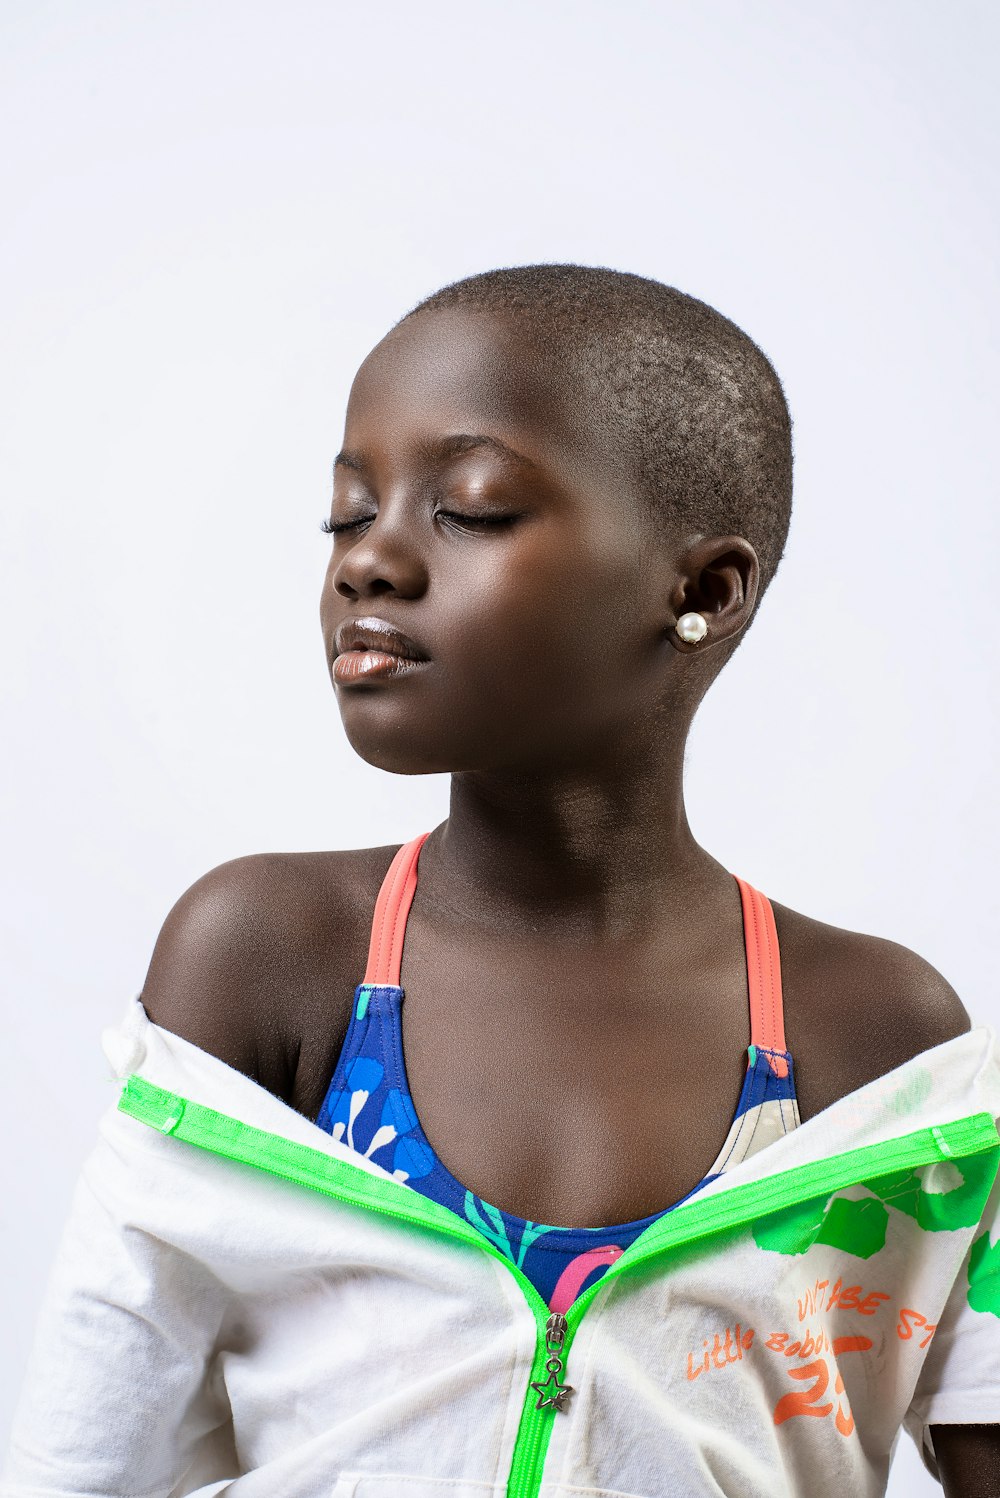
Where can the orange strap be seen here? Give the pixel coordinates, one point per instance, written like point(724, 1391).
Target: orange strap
point(385, 950)
point(767, 1020)
point(767, 1025)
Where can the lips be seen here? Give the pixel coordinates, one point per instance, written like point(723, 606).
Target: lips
point(371, 633)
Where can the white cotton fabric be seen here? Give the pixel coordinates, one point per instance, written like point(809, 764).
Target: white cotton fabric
point(209, 1327)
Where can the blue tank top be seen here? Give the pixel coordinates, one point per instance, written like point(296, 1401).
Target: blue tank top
point(368, 1105)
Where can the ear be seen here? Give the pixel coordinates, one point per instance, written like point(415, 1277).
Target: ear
point(718, 577)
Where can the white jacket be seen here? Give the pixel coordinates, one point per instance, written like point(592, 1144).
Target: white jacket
point(240, 1303)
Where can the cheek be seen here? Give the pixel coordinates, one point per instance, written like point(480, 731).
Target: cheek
point(534, 621)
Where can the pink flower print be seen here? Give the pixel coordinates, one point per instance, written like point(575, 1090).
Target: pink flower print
point(571, 1281)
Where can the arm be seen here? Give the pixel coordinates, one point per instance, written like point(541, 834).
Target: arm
point(968, 1459)
point(120, 1394)
point(968, 1455)
point(960, 1382)
point(916, 1009)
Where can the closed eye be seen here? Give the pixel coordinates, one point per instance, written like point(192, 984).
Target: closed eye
point(332, 528)
point(477, 519)
point(336, 527)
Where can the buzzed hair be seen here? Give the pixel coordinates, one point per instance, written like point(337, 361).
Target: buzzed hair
point(692, 406)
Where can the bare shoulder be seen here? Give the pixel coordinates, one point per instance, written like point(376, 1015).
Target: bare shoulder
point(856, 1006)
point(258, 960)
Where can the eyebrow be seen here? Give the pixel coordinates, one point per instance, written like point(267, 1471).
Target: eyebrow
point(444, 448)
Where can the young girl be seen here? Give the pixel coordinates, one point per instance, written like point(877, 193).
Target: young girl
point(542, 1204)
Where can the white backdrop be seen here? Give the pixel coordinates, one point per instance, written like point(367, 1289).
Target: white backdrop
point(214, 211)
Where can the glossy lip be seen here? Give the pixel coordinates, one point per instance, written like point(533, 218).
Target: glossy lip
point(372, 633)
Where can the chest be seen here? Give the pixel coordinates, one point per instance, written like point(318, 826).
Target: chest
point(565, 1089)
point(562, 1082)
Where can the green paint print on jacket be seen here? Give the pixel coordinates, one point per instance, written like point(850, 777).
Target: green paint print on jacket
point(858, 1226)
point(984, 1275)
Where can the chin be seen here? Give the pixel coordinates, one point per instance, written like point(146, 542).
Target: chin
point(399, 754)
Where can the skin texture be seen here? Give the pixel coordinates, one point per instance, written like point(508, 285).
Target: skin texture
point(565, 879)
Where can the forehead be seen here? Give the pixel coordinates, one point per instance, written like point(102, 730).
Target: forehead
point(456, 371)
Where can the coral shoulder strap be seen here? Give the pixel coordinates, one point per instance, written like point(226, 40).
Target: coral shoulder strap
point(767, 1025)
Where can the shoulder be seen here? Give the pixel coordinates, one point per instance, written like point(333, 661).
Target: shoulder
point(258, 959)
point(856, 1006)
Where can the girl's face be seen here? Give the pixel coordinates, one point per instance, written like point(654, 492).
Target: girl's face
point(488, 525)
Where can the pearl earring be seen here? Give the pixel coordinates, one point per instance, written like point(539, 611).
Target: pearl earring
point(692, 628)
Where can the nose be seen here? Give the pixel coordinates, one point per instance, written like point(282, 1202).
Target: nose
point(384, 557)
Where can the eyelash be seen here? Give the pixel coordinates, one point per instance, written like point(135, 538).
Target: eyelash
point(335, 528)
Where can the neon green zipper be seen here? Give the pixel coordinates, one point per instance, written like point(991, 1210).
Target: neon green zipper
point(734, 1207)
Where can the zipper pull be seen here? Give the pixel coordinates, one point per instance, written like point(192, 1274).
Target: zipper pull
point(551, 1393)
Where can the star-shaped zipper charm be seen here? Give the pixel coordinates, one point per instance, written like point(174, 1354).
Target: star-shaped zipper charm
point(555, 1399)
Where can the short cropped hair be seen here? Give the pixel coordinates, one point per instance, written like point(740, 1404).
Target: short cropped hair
point(691, 405)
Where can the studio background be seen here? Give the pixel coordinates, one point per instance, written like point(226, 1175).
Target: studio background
point(214, 212)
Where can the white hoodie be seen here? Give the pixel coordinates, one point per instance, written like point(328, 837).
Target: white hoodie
point(241, 1303)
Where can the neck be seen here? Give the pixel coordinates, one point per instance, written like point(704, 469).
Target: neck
point(583, 856)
